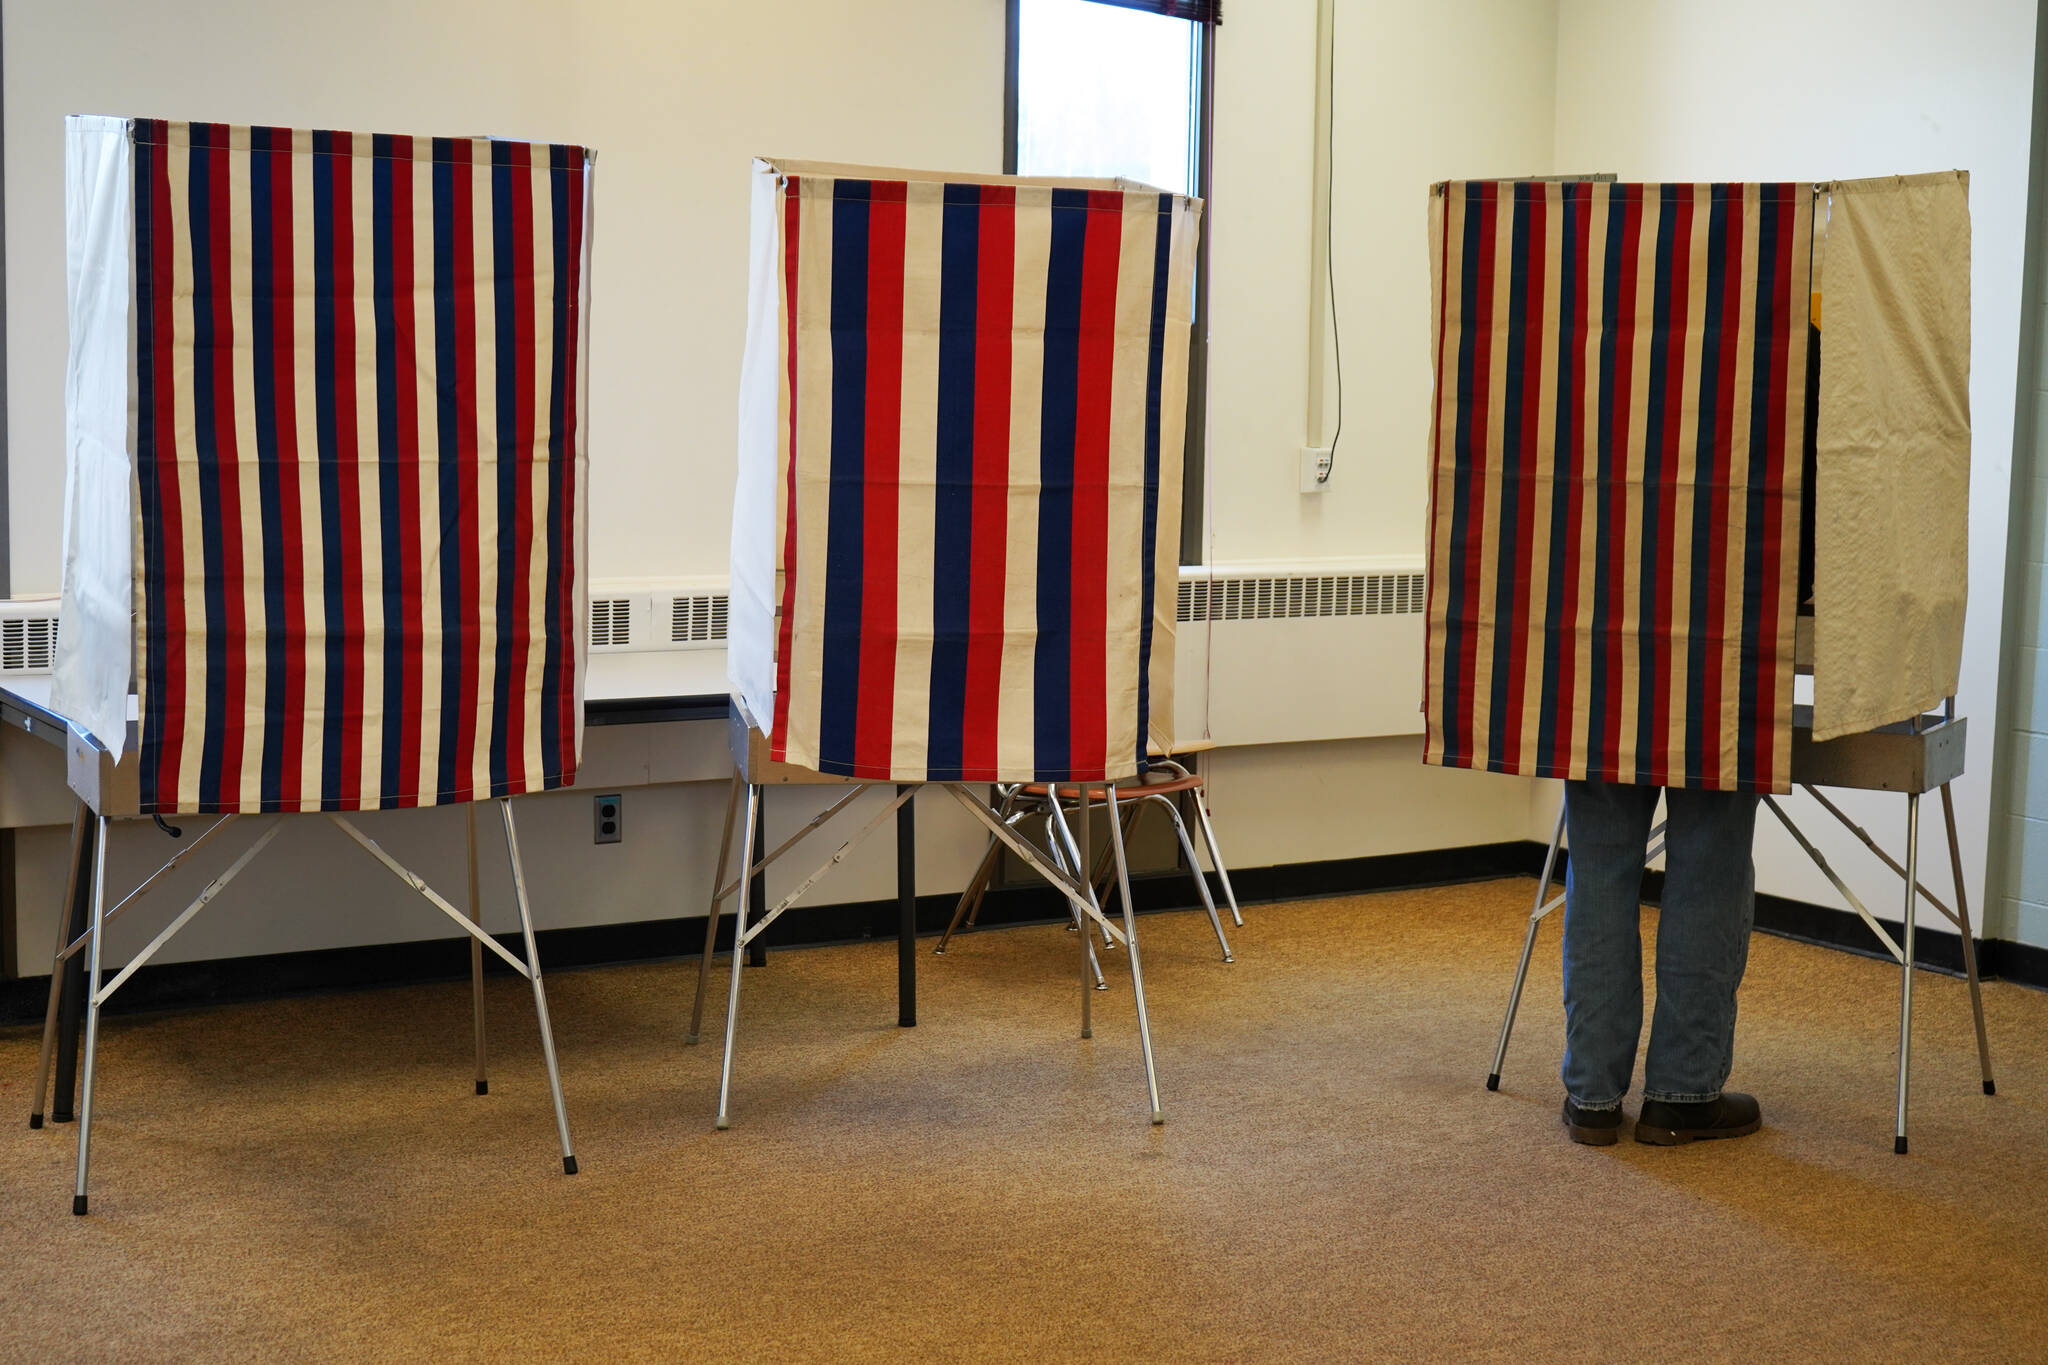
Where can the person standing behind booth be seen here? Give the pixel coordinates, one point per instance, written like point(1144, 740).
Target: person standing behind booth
point(1702, 947)
point(1615, 502)
point(1709, 906)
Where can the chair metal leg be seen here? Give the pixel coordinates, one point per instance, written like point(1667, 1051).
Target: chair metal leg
point(1058, 835)
point(976, 890)
point(732, 805)
point(1060, 844)
point(540, 995)
point(970, 897)
point(1104, 884)
point(1955, 862)
point(1187, 848)
point(1216, 855)
point(1098, 885)
point(1536, 914)
point(92, 1015)
point(739, 957)
point(79, 824)
point(1123, 878)
point(476, 959)
point(1906, 970)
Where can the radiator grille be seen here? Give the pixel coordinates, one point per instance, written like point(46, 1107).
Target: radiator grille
point(1294, 596)
point(611, 622)
point(28, 644)
point(697, 619)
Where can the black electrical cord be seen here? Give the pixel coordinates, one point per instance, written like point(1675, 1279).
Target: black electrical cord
point(1329, 246)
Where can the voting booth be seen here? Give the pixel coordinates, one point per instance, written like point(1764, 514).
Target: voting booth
point(324, 519)
point(1618, 489)
point(962, 414)
point(1687, 442)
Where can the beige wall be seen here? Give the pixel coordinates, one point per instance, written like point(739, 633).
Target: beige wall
point(1423, 92)
point(1828, 89)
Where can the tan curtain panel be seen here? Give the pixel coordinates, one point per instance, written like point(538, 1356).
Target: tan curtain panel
point(1892, 487)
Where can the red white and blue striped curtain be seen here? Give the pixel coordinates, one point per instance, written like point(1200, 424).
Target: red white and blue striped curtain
point(359, 452)
point(982, 405)
point(1614, 524)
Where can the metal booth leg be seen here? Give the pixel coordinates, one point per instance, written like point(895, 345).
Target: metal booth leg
point(1955, 862)
point(1123, 880)
point(1906, 969)
point(739, 958)
point(80, 823)
point(906, 912)
point(476, 959)
point(732, 805)
point(1537, 911)
point(71, 1002)
point(540, 995)
point(92, 1011)
point(756, 901)
point(1084, 875)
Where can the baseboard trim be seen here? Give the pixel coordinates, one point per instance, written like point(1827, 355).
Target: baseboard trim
point(187, 985)
point(1938, 949)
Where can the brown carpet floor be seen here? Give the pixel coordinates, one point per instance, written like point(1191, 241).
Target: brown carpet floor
point(312, 1179)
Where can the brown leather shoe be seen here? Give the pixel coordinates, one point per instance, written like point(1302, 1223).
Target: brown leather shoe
point(1594, 1127)
point(1665, 1124)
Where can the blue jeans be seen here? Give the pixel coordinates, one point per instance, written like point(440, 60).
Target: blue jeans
point(1702, 940)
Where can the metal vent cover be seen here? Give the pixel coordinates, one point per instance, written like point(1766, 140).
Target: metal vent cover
point(697, 619)
point(28, 644)
point(1286, 597)
point(611, 622)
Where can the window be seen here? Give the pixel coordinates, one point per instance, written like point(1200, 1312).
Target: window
point(1104, 91)
point(1122, 88)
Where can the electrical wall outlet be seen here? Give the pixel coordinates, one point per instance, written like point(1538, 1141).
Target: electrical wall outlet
point(608, 816)
point(1315, 468)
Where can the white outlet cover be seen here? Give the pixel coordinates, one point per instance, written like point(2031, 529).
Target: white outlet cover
point(1315, 468)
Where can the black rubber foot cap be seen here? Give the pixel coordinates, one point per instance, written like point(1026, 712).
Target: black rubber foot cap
point(59, 1116)
point(1990, 1088)
point(36, 1120)
point(78, 1206)
point(483, 1087)
point(1898, 1146)
point(568, 1165)
point(1493, 1081)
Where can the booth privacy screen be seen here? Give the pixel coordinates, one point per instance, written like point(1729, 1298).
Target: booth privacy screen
point(1627, 379)
point(326, 462)
point(962, 419)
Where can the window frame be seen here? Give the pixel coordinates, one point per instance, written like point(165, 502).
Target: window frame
point(1196, 454)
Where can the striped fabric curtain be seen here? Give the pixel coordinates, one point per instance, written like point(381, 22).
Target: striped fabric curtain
point(358, 449)
point(978, 389)
point(1615, 499)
